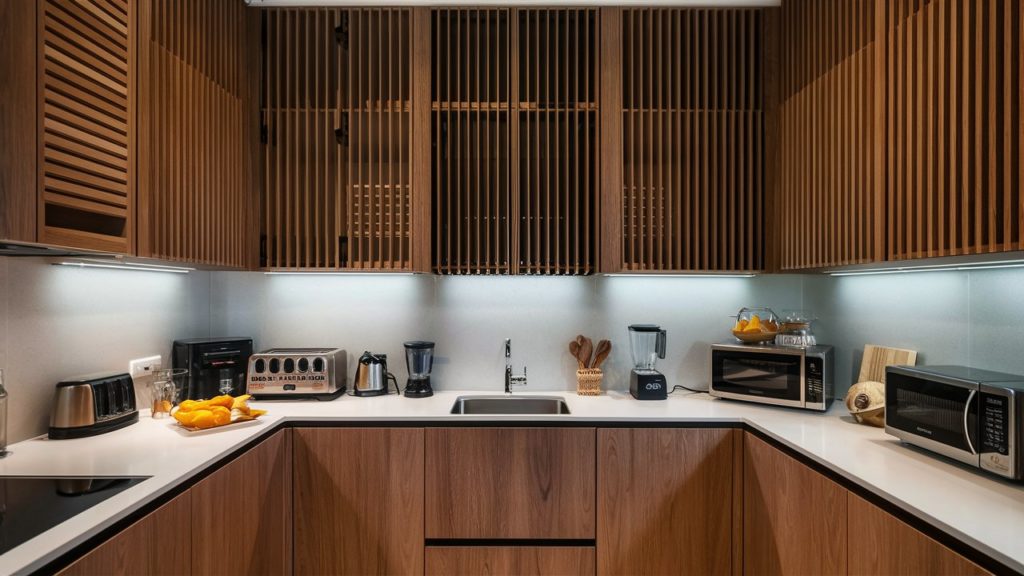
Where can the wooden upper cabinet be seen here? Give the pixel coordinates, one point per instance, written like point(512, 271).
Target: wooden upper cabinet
point(665, 501)
point(158, 544)
point(18, 121)
point(510, 561)
point(510, 483)
point(241, 514)
point(86, 124)
point(198, 131)
point(794, 519)
point(358, 497)
point(690, 194)
point(344, 148)
point(881, 544)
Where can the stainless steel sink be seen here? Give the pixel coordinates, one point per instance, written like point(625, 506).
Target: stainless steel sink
point(510, 405)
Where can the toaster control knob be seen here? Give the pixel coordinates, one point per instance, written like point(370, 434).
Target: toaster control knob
point(289, 365)
point(318, 365)
point(303, 364)
point(260, 366)
point(275, 365)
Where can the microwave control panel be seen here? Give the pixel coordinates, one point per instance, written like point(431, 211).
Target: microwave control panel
point(995, 424)
point(814, 375)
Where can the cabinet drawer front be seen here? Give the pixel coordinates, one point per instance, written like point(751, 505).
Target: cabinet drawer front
point(511, 560)
point(510, 483)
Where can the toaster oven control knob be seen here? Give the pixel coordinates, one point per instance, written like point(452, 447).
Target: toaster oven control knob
point(289, 365)
point(318, 365)
point(275, 365)
point(303, 365)
point(260, 366)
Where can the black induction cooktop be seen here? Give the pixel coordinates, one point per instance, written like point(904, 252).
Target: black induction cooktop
point(31, 505)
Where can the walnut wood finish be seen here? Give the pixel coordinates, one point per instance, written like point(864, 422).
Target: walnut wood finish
point(198, 132)
point(794, 518)
point(665, 499)
point(18, 121)
point(86, 124)
point(692, 140)
point(358, 500)
point(881, 544)
point(158, 544)
point(510, 483)
point(510, 561)
point(828, 194)
point(242, 513)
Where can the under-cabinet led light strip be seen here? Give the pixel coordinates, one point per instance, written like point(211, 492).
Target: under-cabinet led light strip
point(516, 3)
point(932, 268)
point(340, 273)
point(125, 266)
point(694, 275)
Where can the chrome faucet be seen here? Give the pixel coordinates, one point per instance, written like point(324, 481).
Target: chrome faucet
point(510, 379)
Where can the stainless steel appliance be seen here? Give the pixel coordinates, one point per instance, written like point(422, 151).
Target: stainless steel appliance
point(780, 375)
point(419, 360)
point(646, 345)
point(92, 405)
point(372, 375)
point(215, 366)
point(297, 373)
point(971, 415)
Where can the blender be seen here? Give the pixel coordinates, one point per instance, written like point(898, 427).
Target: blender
point(419, 359)
point(646, 346)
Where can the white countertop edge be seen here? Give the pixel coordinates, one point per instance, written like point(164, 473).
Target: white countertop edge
point(50, 545)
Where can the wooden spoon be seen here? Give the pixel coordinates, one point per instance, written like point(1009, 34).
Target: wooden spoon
point(604, 348)
point(586, 352)
point(574, 349)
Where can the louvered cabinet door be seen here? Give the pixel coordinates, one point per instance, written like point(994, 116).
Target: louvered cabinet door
point(86, 122)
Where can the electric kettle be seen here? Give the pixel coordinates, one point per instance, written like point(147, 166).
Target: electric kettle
point(372, 375)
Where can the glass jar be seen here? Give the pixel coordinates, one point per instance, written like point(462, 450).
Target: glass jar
point(164, 391)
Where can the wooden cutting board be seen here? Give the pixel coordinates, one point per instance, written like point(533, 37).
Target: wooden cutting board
point(876, 358)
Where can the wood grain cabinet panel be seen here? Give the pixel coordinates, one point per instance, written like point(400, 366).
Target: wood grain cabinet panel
point(510, 482)
point(241, 514)
point(358, 500)
point(794, 519)
point(17, 121)
point(510, 561)
point(665, 501)
point(881, 544)
point(158, 544)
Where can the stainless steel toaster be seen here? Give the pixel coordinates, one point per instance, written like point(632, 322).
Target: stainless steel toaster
point(91, 405)
point(297, 373)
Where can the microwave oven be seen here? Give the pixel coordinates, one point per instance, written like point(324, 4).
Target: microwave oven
point(780, 375)
point(970, 415)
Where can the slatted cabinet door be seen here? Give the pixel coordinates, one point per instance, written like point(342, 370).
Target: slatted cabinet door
point(86, 89)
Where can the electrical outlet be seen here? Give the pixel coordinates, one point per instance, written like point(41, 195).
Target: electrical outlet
point(142, 367)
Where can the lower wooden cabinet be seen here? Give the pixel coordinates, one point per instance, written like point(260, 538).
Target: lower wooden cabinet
point(881, 544)
point(794, 519)
point(665, 500)
point(510, 483)
point(511, 561)
point(358, 500)
point(241, 514)
point(158, 544)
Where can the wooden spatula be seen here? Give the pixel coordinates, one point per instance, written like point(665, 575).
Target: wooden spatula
point(574, 349)
point(604, 348)
point(586, 352)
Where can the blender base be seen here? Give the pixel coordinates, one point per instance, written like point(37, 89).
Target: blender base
point(418, 389)
point(648, 385)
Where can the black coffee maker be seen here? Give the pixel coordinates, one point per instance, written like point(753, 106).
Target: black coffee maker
point(215, 366)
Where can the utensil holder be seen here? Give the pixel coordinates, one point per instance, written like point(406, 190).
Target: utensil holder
point(588, 381)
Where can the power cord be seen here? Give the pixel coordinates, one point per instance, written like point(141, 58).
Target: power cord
point(688, 389)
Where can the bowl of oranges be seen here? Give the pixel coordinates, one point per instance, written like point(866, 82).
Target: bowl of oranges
point(755, 325)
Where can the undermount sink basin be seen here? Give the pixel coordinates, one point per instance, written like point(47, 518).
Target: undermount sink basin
point(510, 405)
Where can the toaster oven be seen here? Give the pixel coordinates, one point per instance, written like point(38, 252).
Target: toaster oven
point(970, 415)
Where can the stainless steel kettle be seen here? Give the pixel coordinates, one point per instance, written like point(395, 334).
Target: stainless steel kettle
point(372, 375)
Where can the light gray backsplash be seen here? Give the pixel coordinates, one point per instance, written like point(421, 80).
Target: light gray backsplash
point(469, 317)
point(60, 322)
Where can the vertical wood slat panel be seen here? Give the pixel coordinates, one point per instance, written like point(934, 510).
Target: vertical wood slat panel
point(954, 114)
point(196, 185)
point(692, 140)
point(338, 115)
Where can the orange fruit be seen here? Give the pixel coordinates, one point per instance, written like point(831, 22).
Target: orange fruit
point(202, 419)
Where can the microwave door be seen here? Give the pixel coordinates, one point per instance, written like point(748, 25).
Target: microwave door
point(770, 378)
point(937, 415)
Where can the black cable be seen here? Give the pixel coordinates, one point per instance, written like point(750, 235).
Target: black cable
point(687, 388)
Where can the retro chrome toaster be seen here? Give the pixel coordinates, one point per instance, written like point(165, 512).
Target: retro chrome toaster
point(91, 405)
point(299, 373)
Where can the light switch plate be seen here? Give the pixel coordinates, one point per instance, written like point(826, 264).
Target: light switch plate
point(142, 367)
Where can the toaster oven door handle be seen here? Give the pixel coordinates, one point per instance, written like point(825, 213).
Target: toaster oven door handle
point(967, 430)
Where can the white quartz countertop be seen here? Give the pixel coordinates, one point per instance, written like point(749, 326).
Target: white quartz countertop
point(984, 511)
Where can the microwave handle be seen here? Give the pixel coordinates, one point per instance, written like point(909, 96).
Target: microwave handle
point(967, 430)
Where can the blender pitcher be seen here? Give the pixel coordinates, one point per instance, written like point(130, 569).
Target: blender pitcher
point(646, 345)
